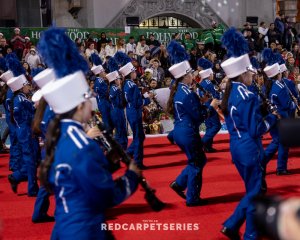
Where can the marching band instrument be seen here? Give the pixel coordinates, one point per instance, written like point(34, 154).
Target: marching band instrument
point(115, 153)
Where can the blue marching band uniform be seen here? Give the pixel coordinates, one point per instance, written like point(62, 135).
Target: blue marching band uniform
point(79, 176)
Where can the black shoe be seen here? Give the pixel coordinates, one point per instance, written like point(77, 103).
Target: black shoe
point(231, 234)
point(45, 218)
point(142, 166)
point(209, 150)
point(178, 189)
point(13, 183)
point(283, 172)
point(199, 202)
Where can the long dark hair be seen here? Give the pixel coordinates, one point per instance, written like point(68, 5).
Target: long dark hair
point(38, 116)
point(224, 104)
point(52, 137)
point(3, 93)
point(269, 83)
point(170, 104)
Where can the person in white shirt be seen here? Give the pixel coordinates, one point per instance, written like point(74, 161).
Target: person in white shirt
point(264, 31)
point(131, 46)
point(141, 48)
point(33, 59)
point(110, 49)
point(90, 50)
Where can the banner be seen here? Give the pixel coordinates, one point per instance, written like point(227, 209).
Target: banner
point(162, 35)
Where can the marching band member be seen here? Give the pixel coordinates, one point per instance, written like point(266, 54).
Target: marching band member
point(101, 88)
point(117, 103)
point(278, 94)
point(134, 108)
point(212, 123)
point(75, 168)
point(15, 156)
point(246, 126)
point(43, 116)
point(188, 113)
point(21, 114)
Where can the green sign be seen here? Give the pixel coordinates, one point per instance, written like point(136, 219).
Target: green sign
point(162, 35)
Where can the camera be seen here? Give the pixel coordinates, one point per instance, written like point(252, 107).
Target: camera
point(288, 132)
point(275, 217)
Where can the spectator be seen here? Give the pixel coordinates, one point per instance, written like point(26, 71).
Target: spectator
point(3, 47)
point(28, 45)
point(102, 40)
point(200, 52)
point(110, 49)
point(218, 72)
point(279, 26)
point(158, 72)
point(90, 50)
point(164, 59)
point(152, 42)
point(27, 71)
point(263, 30)
point(145, 61)
point(272, 34)
point(141, 48)
point(33, 59)
point(131, 46)
point(18, 43)
point(296, 53)
point(188, 42)
point(193, 58)
point(121, 45)
point(89, 41)
point(153, 84)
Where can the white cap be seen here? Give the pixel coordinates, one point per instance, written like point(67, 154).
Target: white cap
point(32, 49)
point(27, 38)
point(126, 69)
point(66, 93)
point(113, 76)
point(149, 70)
point(283, 68)
point(97, 69)
point(272, 70)
point(6, 76)
point(17, 29)
point(235, 66)
point(180, 69)
point(42, 79)
point(205, 73)
point(16, 83)
point(1, 34)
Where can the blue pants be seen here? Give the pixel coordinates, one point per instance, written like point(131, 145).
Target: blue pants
point(41, 205)
point(213, 126)
point(272, 148)
point(15, 154)
point(29, 165)
point(119, 122)
point(189, 141)
point(105, 108)
point(136, 148)
point(246, 156)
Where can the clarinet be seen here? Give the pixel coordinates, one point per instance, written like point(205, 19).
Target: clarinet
point(292, 98)
point(270, 106)
point(114, 150)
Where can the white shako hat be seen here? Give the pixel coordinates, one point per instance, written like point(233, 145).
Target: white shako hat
point(16, 83)
point(272, 70)
point(113, 76)
point(180, 69)
point(42, 79)
point(126, 69)
point(6, 76)
point(235, 66)
point(205, 73)
point(97, 69)
point(283, 68)
point(66, 93)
